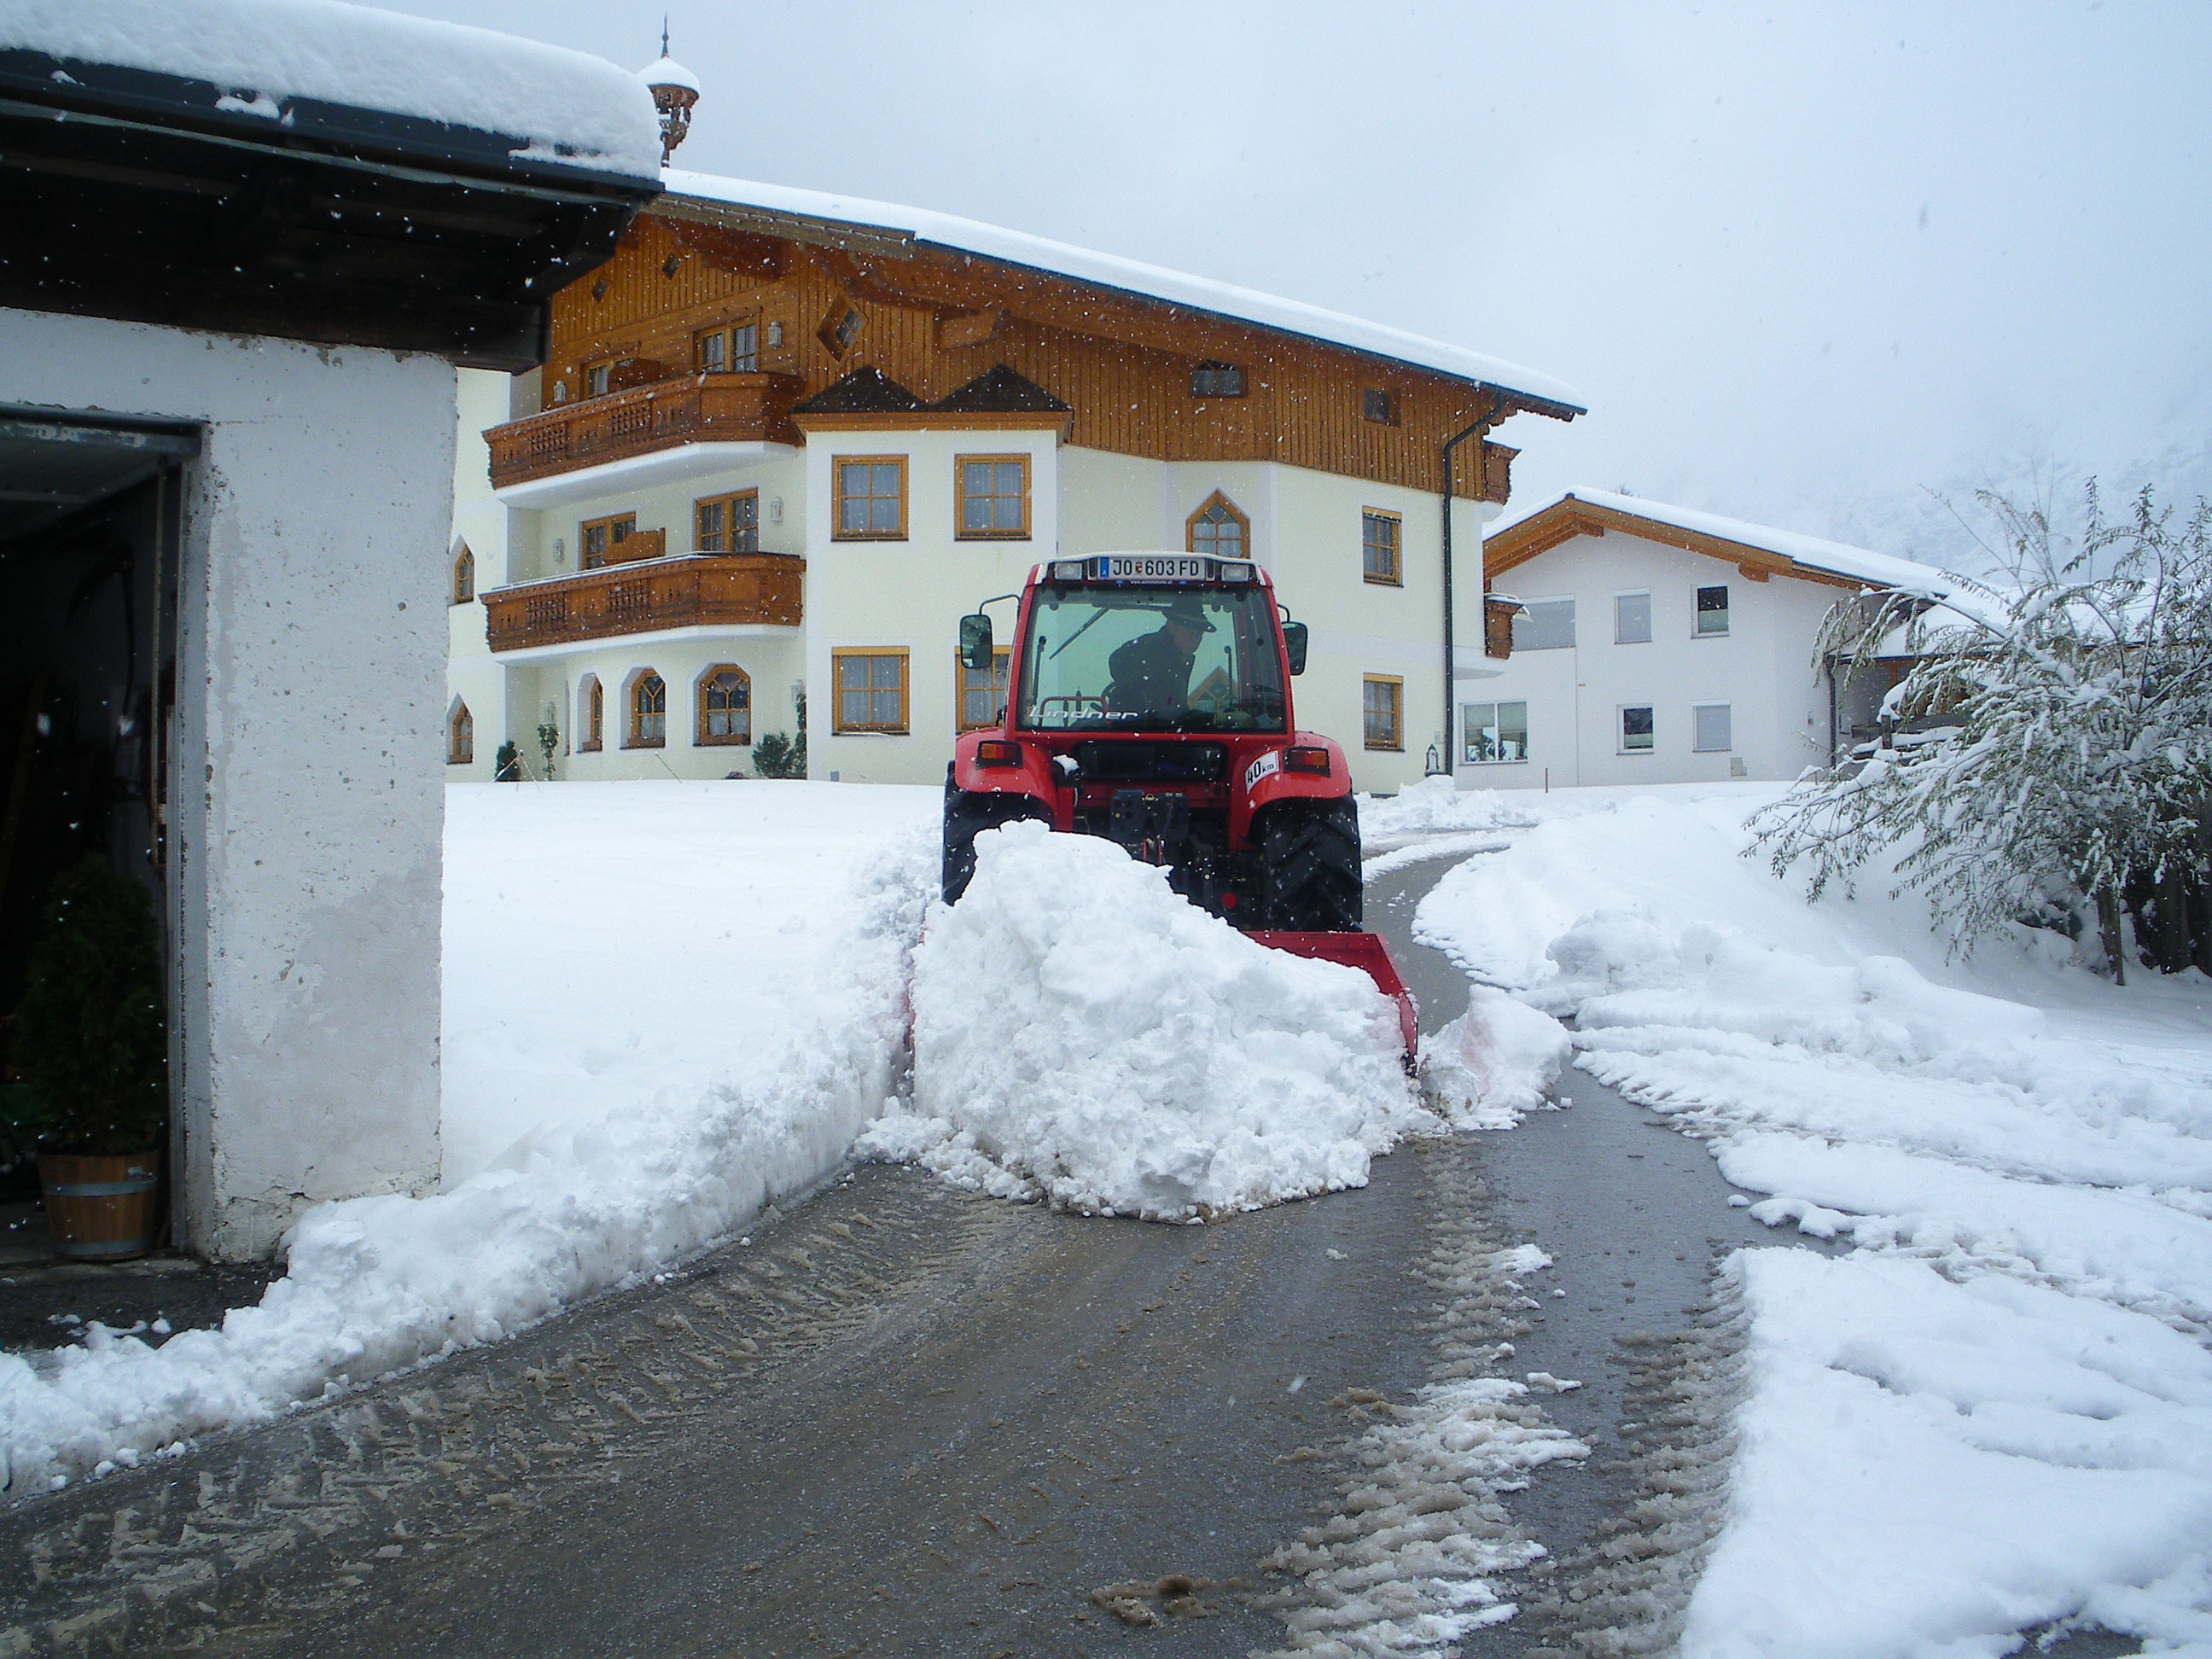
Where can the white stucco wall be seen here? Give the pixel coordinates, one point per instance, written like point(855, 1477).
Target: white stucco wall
point(909, 595)
point(306, 801)
point(1761, 668)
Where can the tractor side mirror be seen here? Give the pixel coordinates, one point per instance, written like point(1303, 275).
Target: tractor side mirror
point(975, 643)
point(1294, 642)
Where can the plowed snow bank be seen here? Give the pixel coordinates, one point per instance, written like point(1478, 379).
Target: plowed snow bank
point(1084, 1034)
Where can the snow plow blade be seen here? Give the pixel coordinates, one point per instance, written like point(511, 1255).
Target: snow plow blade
point(1366, 952)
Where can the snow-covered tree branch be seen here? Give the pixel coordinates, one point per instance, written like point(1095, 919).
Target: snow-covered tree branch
point(2049, 755)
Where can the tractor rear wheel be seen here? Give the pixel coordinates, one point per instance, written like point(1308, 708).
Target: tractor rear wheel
point(1309, 857)
point(967, 815)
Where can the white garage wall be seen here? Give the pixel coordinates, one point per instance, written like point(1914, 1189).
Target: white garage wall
point(306, 800)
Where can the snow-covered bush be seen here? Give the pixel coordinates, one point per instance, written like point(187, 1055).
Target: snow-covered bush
point(2054, 759)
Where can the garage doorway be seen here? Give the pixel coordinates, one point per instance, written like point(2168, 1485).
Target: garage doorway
point(91, 520)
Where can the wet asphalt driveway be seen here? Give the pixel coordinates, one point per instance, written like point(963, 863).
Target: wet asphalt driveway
point(902, 1420)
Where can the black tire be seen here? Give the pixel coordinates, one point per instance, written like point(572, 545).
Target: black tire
point(1309, 860)
point(966, 816)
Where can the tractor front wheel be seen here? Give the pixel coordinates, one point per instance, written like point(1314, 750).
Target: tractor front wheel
point(1310, 857)
point(967, 815)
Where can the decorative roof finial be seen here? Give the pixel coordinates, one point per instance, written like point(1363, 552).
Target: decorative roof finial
point(675, 90)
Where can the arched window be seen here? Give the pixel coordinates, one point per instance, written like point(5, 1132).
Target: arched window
point(460, 735)
point(1219, 529)
point(648, 712)
point(726, 705)
point(465, 576)
point(591, 713)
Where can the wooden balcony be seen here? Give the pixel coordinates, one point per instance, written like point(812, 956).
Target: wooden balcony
point(691, 408)
point(691, 589)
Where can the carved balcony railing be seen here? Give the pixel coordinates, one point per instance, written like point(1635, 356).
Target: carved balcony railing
point(691, 408)
point(723, 589)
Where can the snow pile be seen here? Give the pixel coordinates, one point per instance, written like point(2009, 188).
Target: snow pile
point(1929, 1465)
point(565, 103)
point(1084, 1034)
point(1492, 1063)
point(650, 1124)
point(1996, 1412)
point(1434, 806)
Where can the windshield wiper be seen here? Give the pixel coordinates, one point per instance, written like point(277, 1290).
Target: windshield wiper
point(1097, 616)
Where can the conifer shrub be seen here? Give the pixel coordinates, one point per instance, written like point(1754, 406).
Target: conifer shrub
point(90, 1042)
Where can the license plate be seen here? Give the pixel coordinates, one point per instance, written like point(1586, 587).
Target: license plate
point(1150, 567)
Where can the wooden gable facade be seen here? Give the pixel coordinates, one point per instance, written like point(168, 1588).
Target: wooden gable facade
point(824, 301)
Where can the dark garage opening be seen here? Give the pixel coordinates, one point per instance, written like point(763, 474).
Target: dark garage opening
point(90, 524)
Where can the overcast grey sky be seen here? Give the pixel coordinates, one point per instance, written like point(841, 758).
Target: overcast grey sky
point(1803, 262)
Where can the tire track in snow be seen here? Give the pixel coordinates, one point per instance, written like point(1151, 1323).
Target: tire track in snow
point(255, 1533)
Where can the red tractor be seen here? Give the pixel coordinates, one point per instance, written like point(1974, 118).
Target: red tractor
point(1148, 701)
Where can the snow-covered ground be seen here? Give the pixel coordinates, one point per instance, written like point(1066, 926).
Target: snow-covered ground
point(665, 1005)
point(1996, 1412)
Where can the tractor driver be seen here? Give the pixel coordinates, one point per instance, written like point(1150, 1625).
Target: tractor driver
point(1152, 673)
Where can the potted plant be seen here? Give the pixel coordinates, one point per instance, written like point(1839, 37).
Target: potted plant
point(90, 1048)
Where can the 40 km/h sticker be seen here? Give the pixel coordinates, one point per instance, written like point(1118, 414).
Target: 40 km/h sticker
point(1266, 766)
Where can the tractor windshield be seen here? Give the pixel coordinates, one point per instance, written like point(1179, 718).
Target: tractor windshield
point(1114, 658)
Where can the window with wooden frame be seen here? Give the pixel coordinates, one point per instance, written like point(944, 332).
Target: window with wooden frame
point(871, 503)
point(726, 706)
point(1382, 709)
point(460, 735)
point(591, 714)
point(733, 349)
point(995, 496)
point(597, 377)
point(728, 524)
point(1219, 529)
point(1379, 406)
point(840, 327)
point(648, 712)
point(1379, 536)
point(1211, 379)
point(595, 536)
point(982, 697)
point(870, 688)
point(465, 576)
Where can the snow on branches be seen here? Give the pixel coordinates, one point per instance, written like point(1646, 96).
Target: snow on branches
point(2048, 757)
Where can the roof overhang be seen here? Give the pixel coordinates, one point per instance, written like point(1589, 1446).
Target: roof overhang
point(1569, 516)
point(680, 464)
point(130, 194)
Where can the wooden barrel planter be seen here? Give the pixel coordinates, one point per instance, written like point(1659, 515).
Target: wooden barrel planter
point(100, 1208)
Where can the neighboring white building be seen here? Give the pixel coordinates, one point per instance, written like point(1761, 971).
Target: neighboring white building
point(1660, 645)
point(788, 439)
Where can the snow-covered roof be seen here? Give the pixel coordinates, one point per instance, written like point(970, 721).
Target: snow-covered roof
point(666, 71)
point(565, 105)
point(1859, 564)
point(926, 228)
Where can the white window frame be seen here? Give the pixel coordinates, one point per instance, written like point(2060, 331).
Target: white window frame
point(1697, 615)
point(1468, 728)
point(1620, 728)
point(1697, 748)
point(1644, 593)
